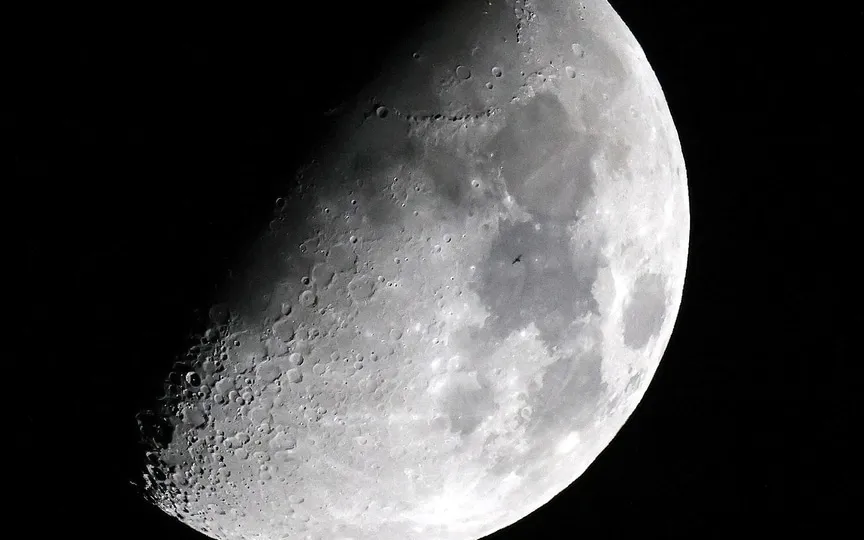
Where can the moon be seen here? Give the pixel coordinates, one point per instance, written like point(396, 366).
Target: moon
point(459, 301)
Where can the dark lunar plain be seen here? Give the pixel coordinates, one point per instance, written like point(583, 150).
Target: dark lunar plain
point(150, 146)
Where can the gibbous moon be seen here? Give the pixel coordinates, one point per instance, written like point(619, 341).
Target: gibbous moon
point(459, 301)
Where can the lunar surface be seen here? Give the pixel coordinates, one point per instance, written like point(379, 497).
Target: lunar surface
point(458, 303)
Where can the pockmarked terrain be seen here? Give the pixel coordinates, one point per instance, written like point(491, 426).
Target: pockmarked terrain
point(459, 301)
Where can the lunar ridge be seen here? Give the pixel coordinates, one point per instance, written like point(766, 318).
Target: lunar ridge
point(459, 301)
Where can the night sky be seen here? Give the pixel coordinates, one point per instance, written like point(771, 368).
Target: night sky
point(149, 148)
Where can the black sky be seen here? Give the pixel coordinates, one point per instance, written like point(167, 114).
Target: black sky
point(131, 130)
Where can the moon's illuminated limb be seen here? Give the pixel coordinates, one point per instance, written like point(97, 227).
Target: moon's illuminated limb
point(463, 304)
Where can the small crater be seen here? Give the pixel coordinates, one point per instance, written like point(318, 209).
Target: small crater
point(267, 372)
point(294, 375)
point(361, 287)
point(284, 329)
point(308, 299)
point(282, 441)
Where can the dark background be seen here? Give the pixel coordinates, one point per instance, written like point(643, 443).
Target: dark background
point(149, 147)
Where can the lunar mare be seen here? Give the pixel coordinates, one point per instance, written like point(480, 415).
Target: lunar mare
point(458, 304)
